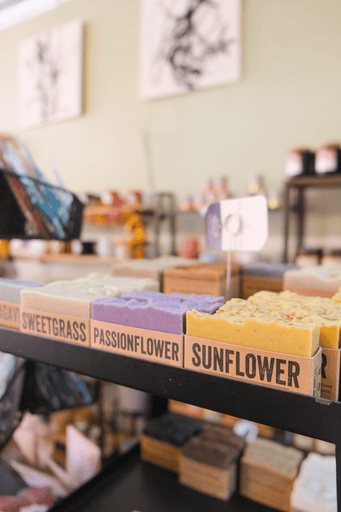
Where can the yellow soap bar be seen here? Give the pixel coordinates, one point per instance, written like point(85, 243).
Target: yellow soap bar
point(259, 333)
point(321, 311)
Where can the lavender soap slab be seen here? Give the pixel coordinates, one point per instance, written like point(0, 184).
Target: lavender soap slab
point(153, 310)
point(146, 325)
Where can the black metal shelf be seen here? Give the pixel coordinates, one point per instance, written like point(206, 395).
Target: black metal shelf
point(306, 415)
point(130, 484)
point(299, 184)
point(298, 413)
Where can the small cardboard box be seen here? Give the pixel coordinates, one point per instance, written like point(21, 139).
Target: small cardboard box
point(288, 372)
point(159, 347)
point(202, 279)
point(10, 314)
point(330, 374)
point(58, 327)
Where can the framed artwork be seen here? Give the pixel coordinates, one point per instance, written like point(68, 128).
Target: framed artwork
point(50, 76)
point(189, 45)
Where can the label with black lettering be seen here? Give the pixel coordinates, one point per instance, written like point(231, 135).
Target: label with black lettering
point(58, 327)
point(160, 347)
point(9, 314)
point(330, 376)
point(289, 372)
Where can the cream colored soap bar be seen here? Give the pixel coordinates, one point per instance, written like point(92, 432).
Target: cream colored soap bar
point(151, 268)
point(264, 332)
point(74, 298)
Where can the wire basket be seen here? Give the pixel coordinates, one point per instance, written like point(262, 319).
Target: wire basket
point(30, 208)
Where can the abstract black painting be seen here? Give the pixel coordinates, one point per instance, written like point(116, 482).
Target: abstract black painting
point(189, 45)
point(50, 76)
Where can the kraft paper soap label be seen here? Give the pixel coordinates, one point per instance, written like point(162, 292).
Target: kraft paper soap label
point(58, 327)
point(292, 373)
point(9, 314)
point(330, 374)
point(160, 347)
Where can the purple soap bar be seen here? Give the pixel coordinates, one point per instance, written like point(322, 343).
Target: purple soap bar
point(153, 310)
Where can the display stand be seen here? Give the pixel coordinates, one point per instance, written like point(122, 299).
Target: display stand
point(309, 416)
point(300, 184)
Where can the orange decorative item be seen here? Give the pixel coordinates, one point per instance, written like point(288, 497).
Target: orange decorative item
point(4, 249)
point(136, 244)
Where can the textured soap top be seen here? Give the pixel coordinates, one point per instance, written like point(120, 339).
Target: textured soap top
point(152, 310)
point(10, 289)
point(315, 487)
point(73, 298)
point(274, 456)
point(159, 264)
point(223, 434)
point(172, 429)
point(275, 271)
point(215, 447)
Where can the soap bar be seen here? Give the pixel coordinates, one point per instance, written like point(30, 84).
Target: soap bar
point(152, 310)
point(274, 456)
point(315, 487)
point(217, 447)
point(270, 331)
point(172, 429)
point(73, 298)
point(10, 289)
point(208, 462)
point(152, 268)
point(318, 280)
point(268, 470)
point(324, 312)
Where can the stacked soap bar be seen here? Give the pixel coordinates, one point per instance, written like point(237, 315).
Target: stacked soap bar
point(202, 278)
point(152, 310)
point(254, 325)
point(263, 276)
point(10, 290)
point(315, 488)
point(74, 298)
point(268, 471)
point(208, 462)
point(163, 438)
point(313, 280)
point(151, 268)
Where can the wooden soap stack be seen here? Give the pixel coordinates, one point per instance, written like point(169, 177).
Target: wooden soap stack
point(268, 471)
point(209, 462)
point(163, 438)
point(202, 278)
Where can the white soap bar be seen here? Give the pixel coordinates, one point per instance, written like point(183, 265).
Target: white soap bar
point(315, 487)
point(73, 298)
point(10, 289)
point(314, 277)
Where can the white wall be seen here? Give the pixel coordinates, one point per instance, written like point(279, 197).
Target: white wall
point(289, 95)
